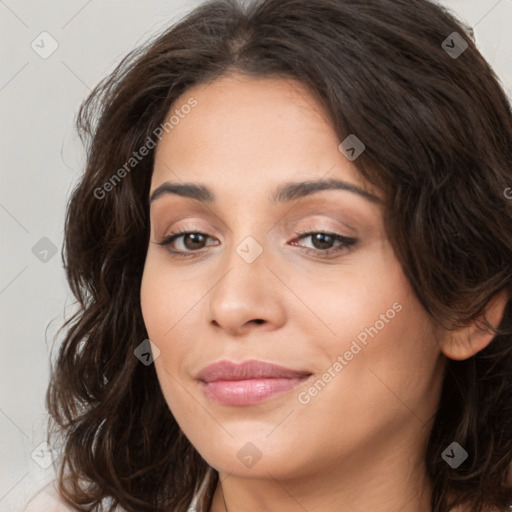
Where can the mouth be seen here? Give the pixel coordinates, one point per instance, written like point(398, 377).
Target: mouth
point(249, 382)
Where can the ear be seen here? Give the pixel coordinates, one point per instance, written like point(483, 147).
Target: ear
point(467, 341)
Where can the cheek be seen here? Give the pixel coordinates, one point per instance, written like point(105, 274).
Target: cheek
point(164, 300)
point(380, 335)
point(162, 308)
point(363, 301)
point(379, 386)
point(170, 311)
point(392, 374)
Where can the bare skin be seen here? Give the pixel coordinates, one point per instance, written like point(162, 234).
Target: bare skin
point(355, 444)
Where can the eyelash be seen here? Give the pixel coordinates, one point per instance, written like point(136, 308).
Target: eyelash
point(346, 242)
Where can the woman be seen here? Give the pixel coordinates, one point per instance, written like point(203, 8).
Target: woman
point(292, 252)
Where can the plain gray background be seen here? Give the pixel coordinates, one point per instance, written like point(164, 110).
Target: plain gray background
point(41, 161)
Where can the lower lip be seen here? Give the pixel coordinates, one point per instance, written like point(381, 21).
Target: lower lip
point(250, 391)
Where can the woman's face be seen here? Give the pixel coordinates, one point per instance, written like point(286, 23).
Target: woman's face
point(363, 371)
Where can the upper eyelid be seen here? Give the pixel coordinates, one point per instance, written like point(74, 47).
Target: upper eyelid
point(314, 224)
point(205, 213)
point(183, 230)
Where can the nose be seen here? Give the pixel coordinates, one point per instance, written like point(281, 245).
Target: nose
point(248, 296)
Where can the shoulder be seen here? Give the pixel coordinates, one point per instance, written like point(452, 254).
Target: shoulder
point(47, 500)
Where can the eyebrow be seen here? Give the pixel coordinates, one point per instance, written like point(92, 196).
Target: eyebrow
point(284, 193)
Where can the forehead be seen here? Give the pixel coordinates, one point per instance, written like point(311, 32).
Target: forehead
point(251, 131)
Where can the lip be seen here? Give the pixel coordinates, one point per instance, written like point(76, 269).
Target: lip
point(249, 382)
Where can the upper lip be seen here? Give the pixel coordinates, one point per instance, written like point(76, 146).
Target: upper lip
point(253, 369)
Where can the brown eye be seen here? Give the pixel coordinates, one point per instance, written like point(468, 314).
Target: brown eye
point(323, 244)
point(322, 241)
point(193, 241)
point(185, 243)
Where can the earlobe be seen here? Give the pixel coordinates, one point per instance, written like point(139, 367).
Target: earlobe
point(467, 341)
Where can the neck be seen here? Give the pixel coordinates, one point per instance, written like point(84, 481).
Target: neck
point(388, 480)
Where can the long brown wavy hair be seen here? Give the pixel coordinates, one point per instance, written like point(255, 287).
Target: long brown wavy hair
point(438, 134)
